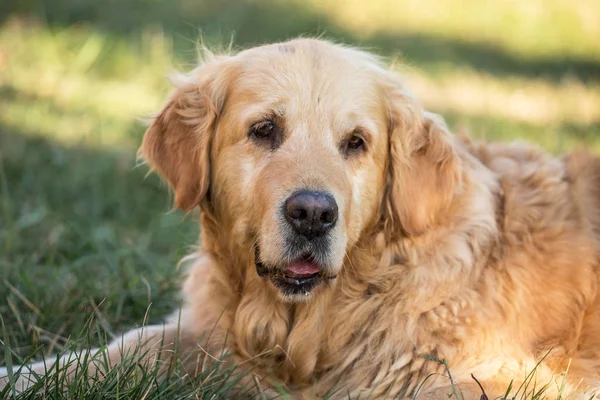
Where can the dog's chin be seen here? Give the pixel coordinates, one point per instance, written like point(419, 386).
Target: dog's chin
point(296, 281)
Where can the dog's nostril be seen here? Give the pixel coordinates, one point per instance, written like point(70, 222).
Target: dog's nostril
point(327, 217)
point(311, 214)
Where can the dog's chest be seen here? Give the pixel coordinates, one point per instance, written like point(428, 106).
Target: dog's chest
point(370, 344)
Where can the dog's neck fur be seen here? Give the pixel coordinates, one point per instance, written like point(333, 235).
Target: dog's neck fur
point(294, 337)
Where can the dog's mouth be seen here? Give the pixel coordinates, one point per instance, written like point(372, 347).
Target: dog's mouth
point(300, 277)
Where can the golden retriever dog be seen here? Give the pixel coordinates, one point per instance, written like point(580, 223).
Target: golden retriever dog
point(351, 242)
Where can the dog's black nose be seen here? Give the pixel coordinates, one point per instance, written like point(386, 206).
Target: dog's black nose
point(311, 214)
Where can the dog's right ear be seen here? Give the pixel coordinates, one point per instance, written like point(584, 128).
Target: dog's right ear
point(177, 143)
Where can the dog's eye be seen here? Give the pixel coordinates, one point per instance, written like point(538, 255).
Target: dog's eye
point(355, 143)
point(263, 129)
point(266, 133)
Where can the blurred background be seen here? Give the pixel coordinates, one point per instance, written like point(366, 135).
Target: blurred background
point(84, 233)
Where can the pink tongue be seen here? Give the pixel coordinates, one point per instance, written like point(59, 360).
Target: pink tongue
point(302, 268)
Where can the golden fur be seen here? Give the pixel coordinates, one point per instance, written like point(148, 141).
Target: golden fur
point(482, 255)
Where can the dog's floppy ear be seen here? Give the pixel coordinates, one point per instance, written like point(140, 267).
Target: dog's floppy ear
point(423, 169)
point(177, 143)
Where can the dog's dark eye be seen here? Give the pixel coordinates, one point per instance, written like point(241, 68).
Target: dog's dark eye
point(355, 143)
point(263, 129)
point(266, 133)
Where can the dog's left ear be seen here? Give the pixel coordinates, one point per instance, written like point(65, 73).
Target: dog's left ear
point(423, 167)
point(178, 141)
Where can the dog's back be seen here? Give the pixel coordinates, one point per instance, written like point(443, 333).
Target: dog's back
point(583, 170)
point(567, 191)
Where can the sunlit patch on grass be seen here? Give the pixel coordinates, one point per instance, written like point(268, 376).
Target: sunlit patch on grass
point(534, 101)
point(65, 88)
point(530, 29)
point(70, 90)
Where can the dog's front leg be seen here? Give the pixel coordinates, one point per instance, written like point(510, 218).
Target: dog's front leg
point(148, 346)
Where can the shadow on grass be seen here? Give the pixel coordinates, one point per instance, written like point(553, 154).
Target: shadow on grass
point(257, 22)
point(82, 232)
point(556, 138)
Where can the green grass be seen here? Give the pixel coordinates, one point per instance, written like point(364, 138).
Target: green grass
point(88, 245)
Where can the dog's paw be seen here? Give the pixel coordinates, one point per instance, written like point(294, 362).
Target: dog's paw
point(22, 380)
point(3, 378)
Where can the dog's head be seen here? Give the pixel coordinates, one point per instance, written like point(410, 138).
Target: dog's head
point(300, 149)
